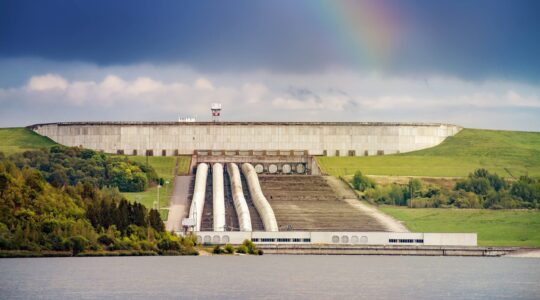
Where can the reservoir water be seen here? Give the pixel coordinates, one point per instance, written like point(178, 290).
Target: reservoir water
point(270, 277)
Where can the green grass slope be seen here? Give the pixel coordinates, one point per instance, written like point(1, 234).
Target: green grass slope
point(165, 168)
point(494, 227)
point(498, 151)
point(13, 140)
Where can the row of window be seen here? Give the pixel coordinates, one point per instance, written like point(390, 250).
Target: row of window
point(281, 240)
point(406, 241)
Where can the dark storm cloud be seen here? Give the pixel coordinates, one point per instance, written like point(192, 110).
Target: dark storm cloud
point(208, 34)
point(470, 39)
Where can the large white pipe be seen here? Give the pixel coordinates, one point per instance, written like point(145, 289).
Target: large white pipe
point(197, 204)
point(240, 205)
point(218, 197)
point(263, 207)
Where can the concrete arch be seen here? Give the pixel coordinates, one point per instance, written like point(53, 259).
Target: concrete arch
point(263, 207)
point(240, 205)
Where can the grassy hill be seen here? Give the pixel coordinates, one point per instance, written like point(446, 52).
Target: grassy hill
point(14, 140)
point(498, 151)
point(494, 227)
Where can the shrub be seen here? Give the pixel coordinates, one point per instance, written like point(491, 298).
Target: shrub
point(78, 244)
point(105, 240)
point(361, 182)
point(392, 194)
point(251, 247)
point(242, 249)
point(229, 249)
point(167, 244)
point(147, 246)
point(217, 250)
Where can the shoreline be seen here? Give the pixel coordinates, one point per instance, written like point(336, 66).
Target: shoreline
point(365, 250)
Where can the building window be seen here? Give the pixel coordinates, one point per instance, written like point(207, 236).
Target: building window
point(255, 240)
point(421, 241)
point(406, 241)
point(296, 240)
point(307, 240)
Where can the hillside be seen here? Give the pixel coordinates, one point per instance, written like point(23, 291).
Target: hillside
point(14, 140)
point(494, 227)
point(497, 151)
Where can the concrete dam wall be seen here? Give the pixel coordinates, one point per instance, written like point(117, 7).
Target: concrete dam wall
point(313, 138)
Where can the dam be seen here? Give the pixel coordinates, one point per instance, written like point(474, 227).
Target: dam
point(310, 138)
point(260, 181)
point(303, 210)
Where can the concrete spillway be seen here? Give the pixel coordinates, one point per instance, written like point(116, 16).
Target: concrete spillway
point(218, 197)
point(240, 204)
point(197, 204)
point(262, 205)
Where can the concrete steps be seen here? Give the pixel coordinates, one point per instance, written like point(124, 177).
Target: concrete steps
point(308, 203)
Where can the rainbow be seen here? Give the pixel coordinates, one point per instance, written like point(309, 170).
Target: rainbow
point(368, 31)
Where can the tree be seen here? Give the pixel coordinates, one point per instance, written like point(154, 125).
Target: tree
point(58, 178)
point(361, 182)
point(78, 244)
point(122, 216)
point(154, 220)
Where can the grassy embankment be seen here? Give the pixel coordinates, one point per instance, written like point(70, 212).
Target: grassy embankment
point(165, 167)
point(13, 140)
point(494, 227)
point(495, 150)
point(498, 151)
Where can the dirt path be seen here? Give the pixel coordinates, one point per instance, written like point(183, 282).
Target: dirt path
point(344, 192)
point(180, 203)
point(390, 223)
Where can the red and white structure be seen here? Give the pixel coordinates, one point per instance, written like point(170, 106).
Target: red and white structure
point(216, 111)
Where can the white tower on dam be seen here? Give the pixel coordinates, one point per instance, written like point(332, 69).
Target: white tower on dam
point(313, 138)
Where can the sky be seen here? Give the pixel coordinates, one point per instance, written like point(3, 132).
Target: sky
point(473, 63)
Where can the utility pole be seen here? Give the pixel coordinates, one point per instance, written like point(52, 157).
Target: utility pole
point(158, 187)
point(411, 190)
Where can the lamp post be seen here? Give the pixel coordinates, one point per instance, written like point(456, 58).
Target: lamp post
point(158, 187)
